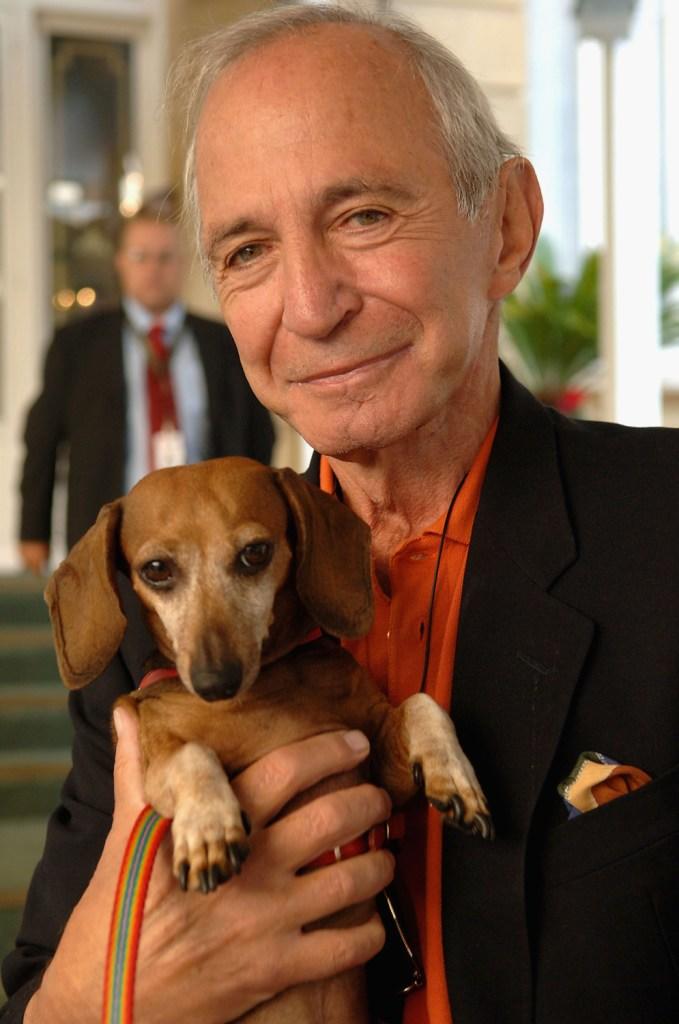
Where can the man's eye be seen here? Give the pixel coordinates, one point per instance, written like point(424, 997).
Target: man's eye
point(366, 218)
point(254, 557)
point(158, 573)
point(246, 254)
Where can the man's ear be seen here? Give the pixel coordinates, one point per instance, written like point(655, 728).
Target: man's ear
point(518, 214)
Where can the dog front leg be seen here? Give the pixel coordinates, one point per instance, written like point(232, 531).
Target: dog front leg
point(418, 748)
point(189, 785)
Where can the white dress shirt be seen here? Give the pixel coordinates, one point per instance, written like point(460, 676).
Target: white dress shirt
point(188, 385)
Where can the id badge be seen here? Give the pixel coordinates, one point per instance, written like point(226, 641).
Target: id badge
point(168, 448)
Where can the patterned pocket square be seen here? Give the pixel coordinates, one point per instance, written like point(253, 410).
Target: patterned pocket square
point(596, 780)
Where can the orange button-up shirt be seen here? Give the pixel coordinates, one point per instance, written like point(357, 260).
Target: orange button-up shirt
point(393, 653)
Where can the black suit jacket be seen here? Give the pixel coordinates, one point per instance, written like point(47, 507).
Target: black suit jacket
point(568, 642)
point(83, 407)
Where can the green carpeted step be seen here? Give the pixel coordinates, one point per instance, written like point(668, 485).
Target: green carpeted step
point(10, 919)
point(35, 738)
point(22, 601)
point(21, 840)
point(30, 781)
point(34, 717)
point(21, 843)
point(27, 655)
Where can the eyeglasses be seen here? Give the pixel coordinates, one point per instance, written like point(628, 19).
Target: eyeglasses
point(165, 257)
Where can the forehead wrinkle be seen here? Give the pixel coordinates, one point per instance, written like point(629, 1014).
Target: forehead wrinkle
point(357, 186)
point(256, 79)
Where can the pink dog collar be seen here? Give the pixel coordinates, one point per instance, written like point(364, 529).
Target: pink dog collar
point(155, 676)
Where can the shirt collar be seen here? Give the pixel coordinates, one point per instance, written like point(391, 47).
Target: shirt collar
point(142, 319)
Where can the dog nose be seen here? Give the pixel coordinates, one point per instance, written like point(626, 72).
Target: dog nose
point(220, 683)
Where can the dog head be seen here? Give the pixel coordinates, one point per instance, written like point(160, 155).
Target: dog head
point(233, 563)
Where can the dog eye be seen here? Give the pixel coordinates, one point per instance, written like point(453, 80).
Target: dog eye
point(254, 557)
point(157, 573)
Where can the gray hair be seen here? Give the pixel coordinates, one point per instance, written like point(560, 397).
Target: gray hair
point(472, 143)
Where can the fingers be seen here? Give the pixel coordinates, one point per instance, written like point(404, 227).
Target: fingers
point(267, 786)
point(128, 779)
point(330, 951)
point(345, 884)
point(328, 821)
point(34, 555)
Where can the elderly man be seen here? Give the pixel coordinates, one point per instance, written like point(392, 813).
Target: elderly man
point(362, 218)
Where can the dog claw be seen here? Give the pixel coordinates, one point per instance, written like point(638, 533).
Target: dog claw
point(215, 877)
point(482, 825)
point(184, 876)
point(458, 805)
point(238, 853)
point(418, 777)
point(204, 881)
point(453, 812)
point(452, 809)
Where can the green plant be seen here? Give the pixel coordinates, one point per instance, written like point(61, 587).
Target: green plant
point(551, 323)
point(669, 290)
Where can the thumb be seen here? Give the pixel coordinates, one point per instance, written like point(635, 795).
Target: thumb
point(128, 775)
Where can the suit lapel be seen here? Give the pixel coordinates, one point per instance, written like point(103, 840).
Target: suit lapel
point(519, 656)
point(519, 650)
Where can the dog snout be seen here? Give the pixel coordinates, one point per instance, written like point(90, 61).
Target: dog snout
point(220, 683)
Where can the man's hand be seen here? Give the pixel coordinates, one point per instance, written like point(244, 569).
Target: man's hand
point(34, 555)
point(245, 941)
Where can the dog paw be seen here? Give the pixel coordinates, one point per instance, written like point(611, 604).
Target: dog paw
point(441, 769)
point(461, 803)
point(210, 846)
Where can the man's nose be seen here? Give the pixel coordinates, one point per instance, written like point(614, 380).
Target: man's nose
point(318, 293)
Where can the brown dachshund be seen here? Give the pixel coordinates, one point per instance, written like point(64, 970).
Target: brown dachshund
point(235, 564)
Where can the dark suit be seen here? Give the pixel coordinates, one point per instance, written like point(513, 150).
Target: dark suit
point(83, 405)
point(568, 642)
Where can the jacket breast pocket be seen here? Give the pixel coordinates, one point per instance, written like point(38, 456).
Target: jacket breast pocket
point(608, 946)
point(619, 829)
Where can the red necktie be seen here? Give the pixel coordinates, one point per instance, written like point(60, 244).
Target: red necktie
point(162, 410)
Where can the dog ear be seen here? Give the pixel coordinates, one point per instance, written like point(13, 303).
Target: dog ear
point(332, 558)
point(87, 622)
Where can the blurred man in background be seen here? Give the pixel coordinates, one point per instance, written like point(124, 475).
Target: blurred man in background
point(133, 389)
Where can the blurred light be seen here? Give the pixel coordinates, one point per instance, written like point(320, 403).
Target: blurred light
point(130, 186)
point(86, 297)
point(64, 298)
point(63, 194)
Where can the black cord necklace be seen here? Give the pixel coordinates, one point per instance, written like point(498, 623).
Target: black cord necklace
point(432, 598)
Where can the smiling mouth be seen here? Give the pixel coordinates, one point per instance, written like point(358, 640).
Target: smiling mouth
point(340, 374)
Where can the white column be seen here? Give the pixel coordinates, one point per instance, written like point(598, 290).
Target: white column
point(551, 39)
point(25, 312)
point(630, 308)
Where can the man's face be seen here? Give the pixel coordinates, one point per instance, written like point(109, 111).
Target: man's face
point(149, 264)
point(357, 295)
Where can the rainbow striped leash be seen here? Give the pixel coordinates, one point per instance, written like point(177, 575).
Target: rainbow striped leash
point(128, 909)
